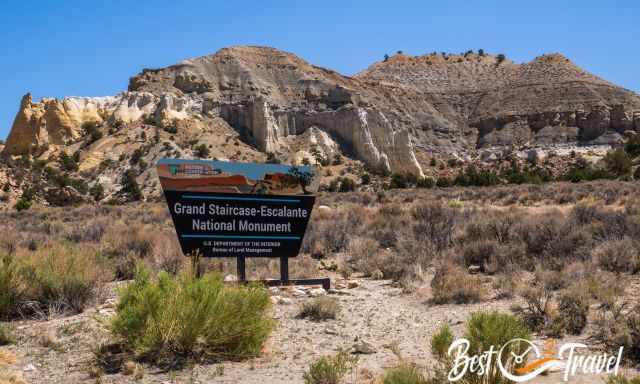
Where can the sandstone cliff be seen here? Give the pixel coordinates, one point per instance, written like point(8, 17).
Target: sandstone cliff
point(250, 103)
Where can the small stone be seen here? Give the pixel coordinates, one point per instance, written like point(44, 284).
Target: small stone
point(298, 293)
point(274, 290)
point(29, 368)
point(315, 292)
point(284, 301)
point(128, 368)
point(352, 284)
point(474, 269)
point(275, 299)
point(331, 331)
point(364, 348)
point(230, 278)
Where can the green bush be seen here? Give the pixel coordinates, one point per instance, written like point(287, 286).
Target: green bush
point(632, 146)
point(320, 308)
point(6, 337)
point(443, 182)
point(130, 185)
point(483, 330)
point(23, 204)
point(11, 286)
point(330, 369)
point(202, 151)
point(399, 180)
point(59, 277)
point(619, 379)
point(618, 163)
point(586, 172)
point(426, 182)
point(441, 341)
point(486, 329)
point(174, 316)
point(404, 374)
point(68, 163)
point(472, 177)
point(347, 185)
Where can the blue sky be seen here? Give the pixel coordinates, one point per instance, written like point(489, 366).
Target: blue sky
point(91, 48)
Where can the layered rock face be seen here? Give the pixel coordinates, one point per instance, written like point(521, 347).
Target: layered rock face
point(546, 101)
point(268, 95)
point(388, 116)
point(60, 122)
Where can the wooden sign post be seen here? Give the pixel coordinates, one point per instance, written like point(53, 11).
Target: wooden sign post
point(228, 209)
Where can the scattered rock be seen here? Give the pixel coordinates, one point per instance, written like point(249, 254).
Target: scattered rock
point(230, 278)
point(331, 331)
point(364, 348)
point(377, 275)
point(352, 284)
point(474, 269)
point(315, 292)
point(298, 293)
point(29, 368)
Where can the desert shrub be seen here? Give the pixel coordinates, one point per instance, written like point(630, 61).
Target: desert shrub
point(551, 280)
point(434, 223)
point(58, 277)
point(619, 379)
point(399, 180)
point(360, 252)
point(573, 307)
point(6, 336)
point(130, 185)
point(202, 151)
point(632, 146)
point(617, 256)
point(330, 369)
point(426, 182)
point(97, 192)
point(483, 330)
point(486, 329)
point(404, 374)
point(618, 162)
point(23, 204)
point(441, 341)
point(11, 285)
point(506, 286)
point(472, 177)
point(347, 185)
point(618, 325)
point(537, 312)
point(443, 182)
point(174, 316)
point(68, 163)
point(319, 308)
point(452, 284)
point(479, 253)
point(586, 172)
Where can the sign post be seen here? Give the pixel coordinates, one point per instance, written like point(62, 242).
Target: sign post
point(228, 209)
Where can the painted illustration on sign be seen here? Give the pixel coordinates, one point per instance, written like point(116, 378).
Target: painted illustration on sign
point(232, 177)
point(227, 209)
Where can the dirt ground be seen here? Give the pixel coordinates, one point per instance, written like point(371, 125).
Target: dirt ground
point(391, 322)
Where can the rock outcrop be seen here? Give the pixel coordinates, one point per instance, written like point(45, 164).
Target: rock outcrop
point(392, 116)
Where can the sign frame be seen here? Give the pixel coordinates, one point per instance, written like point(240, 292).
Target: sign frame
point(233, 209)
